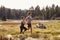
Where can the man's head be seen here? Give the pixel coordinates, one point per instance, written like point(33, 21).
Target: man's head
point(30, 13)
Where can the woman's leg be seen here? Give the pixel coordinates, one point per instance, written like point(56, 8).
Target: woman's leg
point(25, 29)
point(21, 29)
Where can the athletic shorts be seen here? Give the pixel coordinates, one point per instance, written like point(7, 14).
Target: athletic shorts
point(29, 25)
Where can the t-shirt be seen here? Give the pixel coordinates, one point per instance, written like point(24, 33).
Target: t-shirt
point(29, 18)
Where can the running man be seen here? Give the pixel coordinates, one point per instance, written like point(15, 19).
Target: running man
point(29, 19)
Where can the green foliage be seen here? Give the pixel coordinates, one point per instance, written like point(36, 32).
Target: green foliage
point(44, 13)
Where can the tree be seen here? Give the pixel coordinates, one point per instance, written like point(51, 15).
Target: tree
point(38, 11)
point(47, 14)
point(57, 11)
point(43, 13)
point(31, 9)
point(53, 11)
point(4, 18)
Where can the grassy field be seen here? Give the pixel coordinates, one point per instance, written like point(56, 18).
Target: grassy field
point(52, 27)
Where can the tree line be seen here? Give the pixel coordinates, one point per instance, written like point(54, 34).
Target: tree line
point(48, 13)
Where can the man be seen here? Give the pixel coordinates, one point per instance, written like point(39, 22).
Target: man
point(29, 19)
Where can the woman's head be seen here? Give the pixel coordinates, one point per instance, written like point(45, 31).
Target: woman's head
point(22, 17)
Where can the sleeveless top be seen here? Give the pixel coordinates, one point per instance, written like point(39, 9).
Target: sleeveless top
point(22, 24)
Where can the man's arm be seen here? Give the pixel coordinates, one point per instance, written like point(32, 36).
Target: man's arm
point(26, 18)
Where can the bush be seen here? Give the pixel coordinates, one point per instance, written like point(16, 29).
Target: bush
point(35, 35)
point(3, 18)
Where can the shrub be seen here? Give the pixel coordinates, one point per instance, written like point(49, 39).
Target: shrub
point(35, 35)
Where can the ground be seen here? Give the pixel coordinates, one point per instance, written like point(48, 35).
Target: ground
point(52, 28)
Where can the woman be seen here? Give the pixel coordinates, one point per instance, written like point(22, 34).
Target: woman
point(22, 25)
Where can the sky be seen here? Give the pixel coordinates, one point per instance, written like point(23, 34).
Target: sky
point(26, 4)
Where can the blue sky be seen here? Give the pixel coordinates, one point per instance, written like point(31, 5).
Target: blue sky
point(26, 4)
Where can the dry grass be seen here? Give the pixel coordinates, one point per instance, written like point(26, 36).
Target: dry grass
point(53, 27)
point(50, 33)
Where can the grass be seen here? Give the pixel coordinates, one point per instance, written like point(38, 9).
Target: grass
point(53, 27)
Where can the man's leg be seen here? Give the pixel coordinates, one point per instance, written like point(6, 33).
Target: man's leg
point(30, 27)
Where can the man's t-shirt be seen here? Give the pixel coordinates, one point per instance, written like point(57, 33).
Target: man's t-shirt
point(29, 18)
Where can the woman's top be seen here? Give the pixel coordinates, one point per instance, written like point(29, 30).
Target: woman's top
point(22, 23)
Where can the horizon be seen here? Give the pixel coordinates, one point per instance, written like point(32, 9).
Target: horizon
point(21, 4)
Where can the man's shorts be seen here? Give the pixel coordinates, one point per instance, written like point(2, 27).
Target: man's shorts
point(29, 25)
